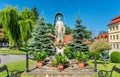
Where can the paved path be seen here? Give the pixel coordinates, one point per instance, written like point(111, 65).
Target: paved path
point(11, 58)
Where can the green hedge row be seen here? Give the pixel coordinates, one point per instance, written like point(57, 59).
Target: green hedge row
point(115, 57)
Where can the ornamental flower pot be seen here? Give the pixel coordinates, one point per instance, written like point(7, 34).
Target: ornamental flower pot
point(60, 61)
point(60, 67)
point(81, 57)
point(81, 64)
point(40, 58)
point(39, 64)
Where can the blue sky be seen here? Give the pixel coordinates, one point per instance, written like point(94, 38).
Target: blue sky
point(95, 14)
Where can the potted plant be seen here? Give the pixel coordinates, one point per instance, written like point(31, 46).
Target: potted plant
point(81, 58)
point(68, 53)
point(60, 61)
point(40, 57)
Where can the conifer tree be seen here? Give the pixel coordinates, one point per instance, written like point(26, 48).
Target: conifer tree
point(35, 12)
point(79, 35)
point(41, 40)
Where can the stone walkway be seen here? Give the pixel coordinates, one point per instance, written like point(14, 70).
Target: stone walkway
point(71, 71)
point(11, 58)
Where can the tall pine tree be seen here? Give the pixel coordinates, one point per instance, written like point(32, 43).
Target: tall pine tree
point(41, 40)
point(35, 12)
point(79, 35)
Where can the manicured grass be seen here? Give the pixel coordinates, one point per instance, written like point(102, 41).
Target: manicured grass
point(13, 52)
point(105, 67)
point(19, 65)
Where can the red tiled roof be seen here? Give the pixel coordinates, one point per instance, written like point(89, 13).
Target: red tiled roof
point(68, 39)
point(115, 20)
point(105, 35)
point(86, 41)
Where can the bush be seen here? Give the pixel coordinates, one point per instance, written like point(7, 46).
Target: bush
point(80, 56)
point(69, 53)
point(40, 56)
point(59, 59)
point(91, 55)
point(115, 57)
point(105, 54)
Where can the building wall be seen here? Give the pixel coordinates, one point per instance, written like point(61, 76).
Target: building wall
point(114, 36)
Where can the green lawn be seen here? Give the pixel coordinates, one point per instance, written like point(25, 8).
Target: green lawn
point(19, 65)
point(107, 67)
point(13, 52)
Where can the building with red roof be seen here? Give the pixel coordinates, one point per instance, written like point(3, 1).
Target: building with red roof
point(114, 20)
point(102, 36)
point(114, 33)
point(68, 39)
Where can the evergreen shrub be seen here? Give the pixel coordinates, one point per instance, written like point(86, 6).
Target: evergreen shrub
point(115, 57)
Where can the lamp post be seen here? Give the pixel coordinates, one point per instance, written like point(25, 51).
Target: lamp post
point(27, 59)
point(27, 64)
point(95, 62)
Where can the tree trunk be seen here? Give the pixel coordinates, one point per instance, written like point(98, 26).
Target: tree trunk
point(18, 46)
point(104, 60)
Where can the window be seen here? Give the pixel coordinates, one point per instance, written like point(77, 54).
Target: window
point(113, 28)
point(110, 37)
point(110, 29)
point(113, 45)
point(117, 37)
point(116, 27)
point(113, 37)
point(117, 46)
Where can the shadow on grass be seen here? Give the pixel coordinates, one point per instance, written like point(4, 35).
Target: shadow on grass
point(23, 50)
point(98, 62)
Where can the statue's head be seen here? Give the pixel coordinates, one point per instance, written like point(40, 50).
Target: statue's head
point(57, 15)
point(59, 18)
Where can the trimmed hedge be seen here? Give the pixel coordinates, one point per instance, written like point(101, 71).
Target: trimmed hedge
point(115, 57)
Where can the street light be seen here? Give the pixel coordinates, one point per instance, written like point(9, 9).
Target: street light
point(95, 62)
point(27, 64)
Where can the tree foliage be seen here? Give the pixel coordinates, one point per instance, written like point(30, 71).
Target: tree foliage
point(68, 30)
point(9, 19)
point(16, 26)
point(26, 24)
point(51, 27)
point(100, 45)
point(35, 12)
point(41, 40)
point(79, 34)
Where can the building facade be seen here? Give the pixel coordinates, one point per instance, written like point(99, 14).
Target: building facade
point(114, 33)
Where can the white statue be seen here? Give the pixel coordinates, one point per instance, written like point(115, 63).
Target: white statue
point(60, 31)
